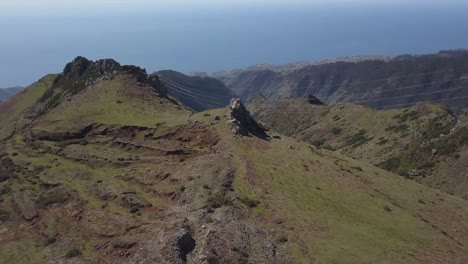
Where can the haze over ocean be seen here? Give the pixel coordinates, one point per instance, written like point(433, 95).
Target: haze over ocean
point(213, 39)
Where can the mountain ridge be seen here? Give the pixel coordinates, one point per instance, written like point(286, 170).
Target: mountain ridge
point(399, 82)
point(115, 171)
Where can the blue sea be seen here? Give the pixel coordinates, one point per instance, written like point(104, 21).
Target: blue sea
point(33, 44)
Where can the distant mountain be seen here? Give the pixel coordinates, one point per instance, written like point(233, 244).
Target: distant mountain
point(196, 92)
point(100, 165)
point(392, 82)
point(6, 93)
point(226, 76)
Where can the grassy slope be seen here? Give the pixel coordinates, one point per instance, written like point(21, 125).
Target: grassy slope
point(11, 110)
point(117, 101)
point(335, 213)
point(406, 136)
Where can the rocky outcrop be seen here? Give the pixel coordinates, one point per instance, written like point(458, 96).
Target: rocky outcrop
point(311, 99)
point(241, 122)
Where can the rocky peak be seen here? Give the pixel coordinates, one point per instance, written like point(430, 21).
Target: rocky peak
point(81, 66)
point(76, 68)
point(83, 72)
point(241, 122)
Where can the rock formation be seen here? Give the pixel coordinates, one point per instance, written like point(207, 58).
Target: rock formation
point(241, 122)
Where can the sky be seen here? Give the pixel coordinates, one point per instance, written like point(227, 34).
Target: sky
point(38, 37)
point(31, 4)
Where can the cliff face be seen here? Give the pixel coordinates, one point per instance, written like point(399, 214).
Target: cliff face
point(196, 92)
point(399, 82)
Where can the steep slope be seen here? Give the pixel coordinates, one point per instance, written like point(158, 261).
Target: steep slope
point(13, 112)
point(395, 83)
point(154, 183)
point(197, 93)
point(6, 93)
point(424, 142)
point(227, 76)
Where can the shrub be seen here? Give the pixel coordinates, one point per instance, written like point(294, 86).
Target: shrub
point(4, 215)
point(382, 141)
point(134, 209)
point(47, 199)
point(359, 139)
point(73, 253)
point(212, 260)
point(336, 130)
point(391, 164)
point(217, 200)
point(252, 203)
point(318, 142)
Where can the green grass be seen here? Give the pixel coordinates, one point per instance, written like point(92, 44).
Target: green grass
point(12, 110)
point(346, 219)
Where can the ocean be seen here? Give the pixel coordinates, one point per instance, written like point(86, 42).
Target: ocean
point(214, 39)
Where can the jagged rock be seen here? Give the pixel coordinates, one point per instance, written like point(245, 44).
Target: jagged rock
point(76, 68)
point(241, 122)
point(80, 65)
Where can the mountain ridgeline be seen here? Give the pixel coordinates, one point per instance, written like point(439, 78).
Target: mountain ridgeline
point(396, 82)
point(101, 165)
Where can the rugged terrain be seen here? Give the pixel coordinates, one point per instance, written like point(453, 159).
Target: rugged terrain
point(425, 142)
point(6, 93)
point(99, 165)
point(396, 82)
point(196, 92)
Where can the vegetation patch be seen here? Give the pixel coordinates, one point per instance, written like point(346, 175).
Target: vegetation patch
point(218, 200)
point(359, 139)
point(52, 197)
point(411, 115)
point(398, 129)
point(437, 127)
point(382, 141)
point(319, 142)
point(336, 130)
point(252, 203)
point(73, 253)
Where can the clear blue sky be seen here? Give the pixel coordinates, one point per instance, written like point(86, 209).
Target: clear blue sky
point(40, 36)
